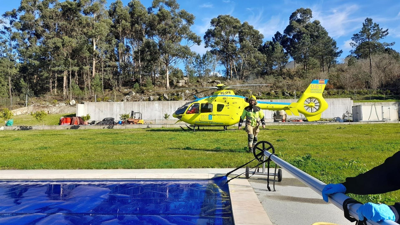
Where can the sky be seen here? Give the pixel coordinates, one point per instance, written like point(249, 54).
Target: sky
point(341, 18)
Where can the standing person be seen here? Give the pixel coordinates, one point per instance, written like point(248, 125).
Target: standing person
point(378, 180)
point(254, 118)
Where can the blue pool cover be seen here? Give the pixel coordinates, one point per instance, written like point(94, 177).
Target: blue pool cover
point(116, 202)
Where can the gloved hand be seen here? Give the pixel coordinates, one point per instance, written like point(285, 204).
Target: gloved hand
point(332, 189)
point(375, 212)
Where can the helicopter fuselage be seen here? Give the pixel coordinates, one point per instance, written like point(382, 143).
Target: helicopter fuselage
point(223, 108)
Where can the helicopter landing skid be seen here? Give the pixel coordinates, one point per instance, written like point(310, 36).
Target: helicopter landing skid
point(198, 128)
point(258, 152)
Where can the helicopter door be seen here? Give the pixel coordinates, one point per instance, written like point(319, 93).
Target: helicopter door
point(206, 112)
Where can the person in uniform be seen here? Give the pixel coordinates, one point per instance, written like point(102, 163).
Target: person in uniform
point(378, 180)
point(254, 118)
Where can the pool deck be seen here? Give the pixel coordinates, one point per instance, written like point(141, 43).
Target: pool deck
point(252, 203)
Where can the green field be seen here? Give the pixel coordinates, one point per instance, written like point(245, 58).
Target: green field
point(28, 120)
point(328, 152)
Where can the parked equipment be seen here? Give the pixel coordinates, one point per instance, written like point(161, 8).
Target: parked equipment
point(135, 118)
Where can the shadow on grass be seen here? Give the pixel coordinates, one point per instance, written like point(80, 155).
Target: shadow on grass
point(180, 130)
point(211, 150)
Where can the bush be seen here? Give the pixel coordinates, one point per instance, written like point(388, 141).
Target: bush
point(55, 102)
point(124, 116)
point(6, 114)
point(86, 118)
point(136, 87)
point(39, 115)
point(166, 116)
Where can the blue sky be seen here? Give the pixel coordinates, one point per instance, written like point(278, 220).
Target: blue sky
point(340, 18)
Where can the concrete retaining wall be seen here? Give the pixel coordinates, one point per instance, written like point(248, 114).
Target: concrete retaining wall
point(154, 111)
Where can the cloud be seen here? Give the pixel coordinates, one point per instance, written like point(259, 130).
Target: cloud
point(207, 6)
point(339, 21)
point(200, 49)
point(346, 46)
point(395, 32)
point(226, 1)
point(267, 27)
point(398, 14)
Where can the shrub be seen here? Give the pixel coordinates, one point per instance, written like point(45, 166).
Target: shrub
point(86, 118)
point(6, 114)
point(39, 115)
point(166, 116)
point(136, 87)
point(55, 102)
point(124, 116)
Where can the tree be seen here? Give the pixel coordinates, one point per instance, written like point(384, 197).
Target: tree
point(8, 52)
point(172, 27)
point(139, 19)
point(98, 25)
point(366, 41)
point(120, 28)
point(223, 39)
point(250, 60)
point(308, 42)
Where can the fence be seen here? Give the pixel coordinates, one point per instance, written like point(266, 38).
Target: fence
point(16, 103)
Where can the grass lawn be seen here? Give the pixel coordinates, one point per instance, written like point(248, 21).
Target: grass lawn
point(28, 120)
point(328, 152)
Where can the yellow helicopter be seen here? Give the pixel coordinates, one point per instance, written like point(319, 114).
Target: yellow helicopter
point(224, 108)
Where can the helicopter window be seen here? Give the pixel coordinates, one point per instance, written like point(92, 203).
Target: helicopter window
point(220, 107)
point(206, 107)
point(193, 109)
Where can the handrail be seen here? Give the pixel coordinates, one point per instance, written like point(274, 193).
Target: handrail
point(317, 185)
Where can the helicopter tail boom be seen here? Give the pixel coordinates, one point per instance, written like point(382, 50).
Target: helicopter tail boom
point(311, 103)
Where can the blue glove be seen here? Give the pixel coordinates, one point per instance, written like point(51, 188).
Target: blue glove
point(332, 189)
point(375, 212)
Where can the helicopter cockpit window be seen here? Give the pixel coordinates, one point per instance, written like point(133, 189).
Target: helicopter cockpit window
point(206, 107)
point(193, 109)
point(220, 107)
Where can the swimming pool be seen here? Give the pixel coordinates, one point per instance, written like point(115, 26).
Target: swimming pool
point(116, 202)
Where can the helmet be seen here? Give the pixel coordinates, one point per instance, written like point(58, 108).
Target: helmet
point(253, 98)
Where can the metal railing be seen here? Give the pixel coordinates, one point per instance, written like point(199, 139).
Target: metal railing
point(317, 185)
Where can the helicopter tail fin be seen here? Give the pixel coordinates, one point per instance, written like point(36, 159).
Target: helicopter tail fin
point(311, 103)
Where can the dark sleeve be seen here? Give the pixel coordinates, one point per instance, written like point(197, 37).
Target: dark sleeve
point(263, 120)
point(396, 209)
point(381, 179)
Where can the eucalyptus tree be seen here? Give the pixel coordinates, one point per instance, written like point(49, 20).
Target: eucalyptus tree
point(98, 25)
point(223, 39)
point(29, 37)
point(366, 41)
point(139, 19)
point(71, 35)
point(8, 53)
point(250, 60)
point(120, 27)
point(149, 56)
point(171, 28)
